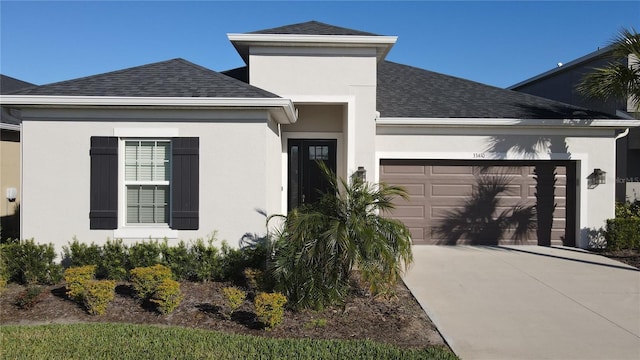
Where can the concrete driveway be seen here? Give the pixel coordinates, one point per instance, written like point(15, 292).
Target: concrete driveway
point(529, 302)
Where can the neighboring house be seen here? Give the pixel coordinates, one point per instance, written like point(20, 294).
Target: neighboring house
point(174, 150)
point(10, 161)
point(560, 84)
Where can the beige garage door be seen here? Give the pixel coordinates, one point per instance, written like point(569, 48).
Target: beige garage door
point(482, 202)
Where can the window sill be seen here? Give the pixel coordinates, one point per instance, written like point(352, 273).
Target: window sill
point(145, 232)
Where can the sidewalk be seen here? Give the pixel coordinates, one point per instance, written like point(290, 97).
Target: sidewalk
point(529, 302)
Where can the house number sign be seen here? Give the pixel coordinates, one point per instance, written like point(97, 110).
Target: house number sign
point(479, 155)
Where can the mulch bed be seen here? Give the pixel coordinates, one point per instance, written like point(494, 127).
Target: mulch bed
point(398, 321)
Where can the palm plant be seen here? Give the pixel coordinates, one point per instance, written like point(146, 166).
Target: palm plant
point(618, 79)
point(320, 244)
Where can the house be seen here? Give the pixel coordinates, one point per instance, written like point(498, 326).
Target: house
point(174, 150)
point(560, 84)
point(10, 161)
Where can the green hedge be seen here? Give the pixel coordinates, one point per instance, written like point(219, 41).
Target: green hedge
point(26, 262)
point(623, 233)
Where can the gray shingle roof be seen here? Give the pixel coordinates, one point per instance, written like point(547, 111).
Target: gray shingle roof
point(9, 84)
point(406, 91)
point(172, 78)
point(313, 28)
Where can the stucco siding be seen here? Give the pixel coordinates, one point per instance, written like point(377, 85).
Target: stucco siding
point(233, 174)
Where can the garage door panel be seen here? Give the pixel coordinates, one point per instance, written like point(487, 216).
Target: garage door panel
point(450, 170)
point(438, 190)
point(451, 190)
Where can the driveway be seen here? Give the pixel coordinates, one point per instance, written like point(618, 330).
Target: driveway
point(529, 302)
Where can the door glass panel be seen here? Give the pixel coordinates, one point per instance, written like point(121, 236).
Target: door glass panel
point(294, 186)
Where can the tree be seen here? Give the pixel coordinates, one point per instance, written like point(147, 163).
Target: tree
point(320, 244)
point(618, 79)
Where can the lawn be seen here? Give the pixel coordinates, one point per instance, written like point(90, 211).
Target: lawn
point(126, 341)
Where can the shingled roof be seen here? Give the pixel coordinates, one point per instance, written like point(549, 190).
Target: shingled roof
point(172, 78)
point(9, 84)
point(313, 28)
point(409, 92)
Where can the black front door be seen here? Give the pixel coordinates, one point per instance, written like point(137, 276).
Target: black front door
point(306, 181)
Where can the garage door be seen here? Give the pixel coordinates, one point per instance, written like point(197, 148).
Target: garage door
point(484, 202)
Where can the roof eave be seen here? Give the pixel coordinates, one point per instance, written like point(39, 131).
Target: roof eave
point(499, 122)
point(282, 110)
point(564, 67)
point(242, 42)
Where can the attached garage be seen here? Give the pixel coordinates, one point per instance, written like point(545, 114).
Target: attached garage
point(485, 202)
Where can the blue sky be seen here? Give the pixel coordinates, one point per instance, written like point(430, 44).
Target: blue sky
point(498, 43)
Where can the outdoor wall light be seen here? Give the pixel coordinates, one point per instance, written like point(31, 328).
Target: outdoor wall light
point(599, 176)
point(596, 178)
point(361, 173)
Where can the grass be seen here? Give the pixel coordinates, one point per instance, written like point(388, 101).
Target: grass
point(124, 341)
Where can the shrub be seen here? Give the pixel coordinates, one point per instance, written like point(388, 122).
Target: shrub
point(147, 279)
point(144, 254)
point(115, 259)
point(254, 279)
point(623, 233)
point(77, 279)
point(167, 296)
point(234, 298)
point(628, 210)
point(30, 263)
point(178, 259)
point(270, 308)
point(4, 273)
point(206, 260)
point(30, 297)
point(80, 254)
point(97, 295)
point(234, 261)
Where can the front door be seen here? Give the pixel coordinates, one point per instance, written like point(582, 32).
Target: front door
point(306, 181)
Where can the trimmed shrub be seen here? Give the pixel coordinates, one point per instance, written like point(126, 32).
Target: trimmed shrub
point(270, 308)
point(234, 261)
point(178, 259)
point(98, 295)
point(80, 254)
point(30, 297)
point(147, 279)
point(623, 233)
point(30, 263)
point(234, 298)
point(144, 254)
point(254, 279)
point(206, 260)
point(77, 279)
point(167, 296)
point(115, 261)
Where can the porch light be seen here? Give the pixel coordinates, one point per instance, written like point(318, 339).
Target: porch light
point(599, 176)
point(361, 173)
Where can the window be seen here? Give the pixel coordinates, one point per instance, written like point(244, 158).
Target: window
point(161, 182)
point(147, 181)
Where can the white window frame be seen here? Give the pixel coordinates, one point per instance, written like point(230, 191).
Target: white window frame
point(143, 231)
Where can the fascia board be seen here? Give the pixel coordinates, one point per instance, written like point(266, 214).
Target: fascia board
point(242, 42)
point(524, 123)
point(13, 127)
point(281, 109)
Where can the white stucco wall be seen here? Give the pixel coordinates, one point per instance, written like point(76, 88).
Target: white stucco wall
point(324, 75)
point(591, 148)
point(237, 176)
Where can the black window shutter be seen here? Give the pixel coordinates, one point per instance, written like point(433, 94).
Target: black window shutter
point(103, 202)
point(185, 183)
